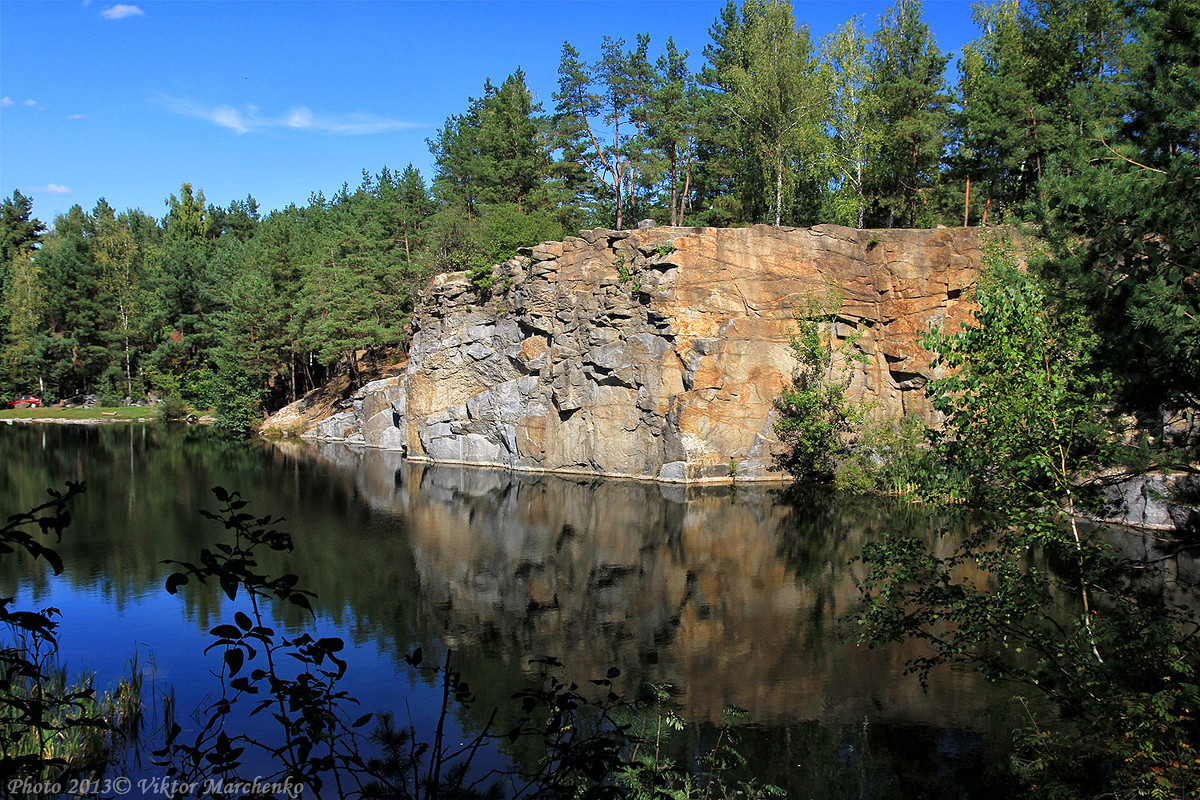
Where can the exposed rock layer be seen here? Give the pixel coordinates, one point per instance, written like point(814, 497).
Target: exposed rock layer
point(658, 353)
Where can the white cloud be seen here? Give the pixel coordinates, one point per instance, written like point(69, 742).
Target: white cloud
point(77, 116)
point(6, 101)
point(298, 118)
point(121, 11)
point(52, 188)
point(31, 103)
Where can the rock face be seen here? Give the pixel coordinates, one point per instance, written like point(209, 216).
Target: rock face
point(658, 353)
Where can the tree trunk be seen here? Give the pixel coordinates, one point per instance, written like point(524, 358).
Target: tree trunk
point(862, 198)
point(617, 186)
point(687, 186)
point(674, 190)
point(778, 189)
point(128, 371)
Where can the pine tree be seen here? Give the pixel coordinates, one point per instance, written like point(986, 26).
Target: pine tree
point(19, 230)
point(909, 72)
point(1126, 222)
point(74, 350)
point(672, 126)
point(591, 104)
point(1035, 87)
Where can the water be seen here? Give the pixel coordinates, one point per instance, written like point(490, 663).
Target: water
point(732, 598)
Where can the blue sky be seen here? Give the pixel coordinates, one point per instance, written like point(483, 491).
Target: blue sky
point(281, 99)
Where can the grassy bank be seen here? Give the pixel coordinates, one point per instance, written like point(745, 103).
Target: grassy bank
point(97, 414)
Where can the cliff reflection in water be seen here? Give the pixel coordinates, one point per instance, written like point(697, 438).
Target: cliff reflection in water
point(733, 598)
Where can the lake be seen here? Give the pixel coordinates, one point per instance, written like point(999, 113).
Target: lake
point(731, 597)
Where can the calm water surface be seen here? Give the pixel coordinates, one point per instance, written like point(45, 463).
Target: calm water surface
point(731, 598)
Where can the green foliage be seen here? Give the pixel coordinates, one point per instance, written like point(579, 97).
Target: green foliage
point(173, 408)
point(20, 232)
point(505, 228)
point(815, 415)
point(625, 276)
point(888, 456)
point(1031, 597)
point(1122, 221)
point(1035, 87)
point(52, 726)
point(492, 154)
point(653, 771)
point(482, 274)
point(908, 76)
point(238, 404)
point(23, 309)
point(1023, 398)
point(772, 94)
point(853, 119)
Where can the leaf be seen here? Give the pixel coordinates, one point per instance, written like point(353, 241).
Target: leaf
point(234, 658)
point(174, 581)
point(229, 584)
point(243, 620)
point(54, 559)
point(226, 632)
point(331, 644)
point(363, 720)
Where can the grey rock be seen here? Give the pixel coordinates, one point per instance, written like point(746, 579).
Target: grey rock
point(1140, 501)
point(392, 439)
point(673, 471)
point(374, 428)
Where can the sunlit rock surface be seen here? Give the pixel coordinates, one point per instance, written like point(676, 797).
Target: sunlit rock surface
point(658, 353)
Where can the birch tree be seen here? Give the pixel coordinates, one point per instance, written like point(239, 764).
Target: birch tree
point(853, 116)
point(774, 93)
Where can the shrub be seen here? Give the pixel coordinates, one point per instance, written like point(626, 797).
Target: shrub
point(173, 408)
point(815, 416)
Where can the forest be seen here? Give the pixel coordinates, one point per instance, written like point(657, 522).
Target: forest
point(1076, 122)
point(1077, 116)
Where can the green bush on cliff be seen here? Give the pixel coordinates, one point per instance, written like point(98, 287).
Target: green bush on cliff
point(816, 417)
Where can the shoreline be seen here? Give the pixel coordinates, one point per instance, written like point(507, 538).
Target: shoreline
point(99, 419)
point(71, 420)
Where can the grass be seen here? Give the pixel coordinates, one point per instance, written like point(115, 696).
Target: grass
point(97, 413)
point(82, 733)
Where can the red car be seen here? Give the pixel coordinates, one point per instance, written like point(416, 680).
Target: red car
point(24, 401)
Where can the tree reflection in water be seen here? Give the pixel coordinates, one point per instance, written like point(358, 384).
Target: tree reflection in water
point(730, 598)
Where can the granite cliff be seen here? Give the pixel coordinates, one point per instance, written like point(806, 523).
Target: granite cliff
point(659, 352)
